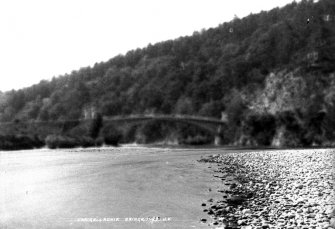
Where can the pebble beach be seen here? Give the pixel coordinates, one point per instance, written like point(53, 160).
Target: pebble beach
point(273, 189)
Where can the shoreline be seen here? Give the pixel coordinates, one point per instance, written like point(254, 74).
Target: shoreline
point(290, 189)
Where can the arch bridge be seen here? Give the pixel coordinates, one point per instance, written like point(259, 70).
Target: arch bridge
point(212, 125)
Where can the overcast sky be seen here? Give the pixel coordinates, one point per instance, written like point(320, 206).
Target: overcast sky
point(40, 39)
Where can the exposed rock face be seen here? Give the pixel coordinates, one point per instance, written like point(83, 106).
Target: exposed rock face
point(283, 91)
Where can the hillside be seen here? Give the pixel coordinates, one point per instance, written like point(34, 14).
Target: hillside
point(273, 73)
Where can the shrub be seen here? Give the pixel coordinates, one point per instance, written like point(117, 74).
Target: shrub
point(294, 132)
point(57, 141)
point(111, 135)
point(80, 130)
point(186, 132)
point(260, 127)
point(150, 132)
point(129, 134)
point(19, 142)
point(86, 142)
point(197, 140)
point(99, 141)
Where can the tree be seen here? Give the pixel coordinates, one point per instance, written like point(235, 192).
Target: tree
point(44, 115)
point(184, 106)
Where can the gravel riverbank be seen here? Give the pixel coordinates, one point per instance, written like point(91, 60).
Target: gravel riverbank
point(274, 189)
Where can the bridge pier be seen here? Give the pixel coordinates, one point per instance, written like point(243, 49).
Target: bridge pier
point(217, 140)
point(218, 136)
point(212, 125)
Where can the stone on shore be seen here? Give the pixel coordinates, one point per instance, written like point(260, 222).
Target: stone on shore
point(271, 189)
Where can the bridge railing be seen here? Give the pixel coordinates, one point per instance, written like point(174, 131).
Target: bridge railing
point(120, 117)
point(162, 116)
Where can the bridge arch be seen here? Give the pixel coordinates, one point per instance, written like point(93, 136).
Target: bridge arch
point(211, 125)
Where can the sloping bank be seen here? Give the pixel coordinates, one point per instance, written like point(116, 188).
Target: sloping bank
point(285, 189)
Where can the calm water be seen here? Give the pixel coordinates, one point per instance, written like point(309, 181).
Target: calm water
point(61, 188)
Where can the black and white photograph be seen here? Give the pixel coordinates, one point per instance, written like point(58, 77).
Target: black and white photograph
point(176, 114)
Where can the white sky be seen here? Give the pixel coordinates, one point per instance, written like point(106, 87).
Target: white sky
point(40, 39)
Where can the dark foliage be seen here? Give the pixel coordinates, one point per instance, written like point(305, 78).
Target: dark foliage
point(196, 140)
point(129, 134)
point(95, 126)
point(58, 141)
point(260, 128)
point(68, 125)
point(150, 132)
point(111, 135)
point(19, 142)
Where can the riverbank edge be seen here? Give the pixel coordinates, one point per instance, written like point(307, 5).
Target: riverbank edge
point(236, 196)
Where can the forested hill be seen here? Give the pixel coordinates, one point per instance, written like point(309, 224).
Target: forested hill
point(278, 63)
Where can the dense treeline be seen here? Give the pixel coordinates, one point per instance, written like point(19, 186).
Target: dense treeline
point(271, 70)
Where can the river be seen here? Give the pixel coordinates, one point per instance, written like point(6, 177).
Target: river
point(105, 188)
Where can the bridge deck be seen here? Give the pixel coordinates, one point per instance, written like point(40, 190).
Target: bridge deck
point(166, 117)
